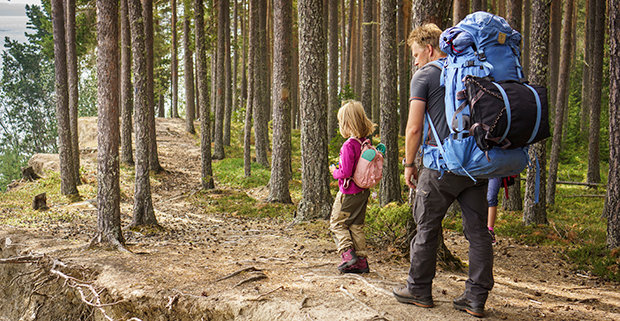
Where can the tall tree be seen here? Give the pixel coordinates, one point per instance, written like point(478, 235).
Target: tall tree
point(228, 89)
point(261, 107)
point(375, 66)
point(68, 185)
point(244, 58)
point(126, 88)
point(143, 213)
point(367, 58)
point(562, 91)
point(235, 67)
point(429, 11)
point(476, 5)
point(390, 184)
point(343, 43)
point(174, 65)
point(527, 28)
point(514, 14)
point(536, 213)
point(316, 201)
point(586, 100)
point(147, 15)
point(348, 66)
point(205, 118)
point(109, 232)
point(554, 49)
point(460, 9)
point(188, 61)
point(598, 54)
point(612, 201)
point(332, 120)
point(252, 60)
point(281, 158)
point(72, 82)
point(404, 14)
point(220, 92)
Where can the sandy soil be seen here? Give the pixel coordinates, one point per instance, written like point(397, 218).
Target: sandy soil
point(287, 272)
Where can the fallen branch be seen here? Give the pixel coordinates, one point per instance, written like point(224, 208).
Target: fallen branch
point(303, 302)
point(251, 279)
point(356, 277)
point(586, 195)
point(248, 269)
point(260, 297)
point(580, 183)
point(22, 259)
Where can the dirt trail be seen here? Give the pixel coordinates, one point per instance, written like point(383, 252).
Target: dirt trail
point(285, 273)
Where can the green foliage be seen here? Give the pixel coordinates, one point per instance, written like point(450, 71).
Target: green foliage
point(387, 225)
point(87, 104)
point(10, 163)
point(229, 172)
point(238, 203)
point(598, 259)
point(347, 93)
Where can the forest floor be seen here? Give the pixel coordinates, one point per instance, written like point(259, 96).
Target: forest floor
point(289, 270)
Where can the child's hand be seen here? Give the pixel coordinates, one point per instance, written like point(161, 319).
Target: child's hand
point(332, 168)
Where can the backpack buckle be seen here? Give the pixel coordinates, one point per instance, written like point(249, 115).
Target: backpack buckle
point(482, 56)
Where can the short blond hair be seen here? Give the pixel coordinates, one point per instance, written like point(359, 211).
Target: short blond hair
point(353, 121)
point(427, 34)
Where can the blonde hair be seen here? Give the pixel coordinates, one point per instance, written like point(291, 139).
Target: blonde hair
point(353, 121)
point(427, 34)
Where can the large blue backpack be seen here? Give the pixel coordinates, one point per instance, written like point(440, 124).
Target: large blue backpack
point(480, 45)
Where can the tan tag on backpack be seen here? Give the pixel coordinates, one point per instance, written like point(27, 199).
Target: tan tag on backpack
point(501, 38)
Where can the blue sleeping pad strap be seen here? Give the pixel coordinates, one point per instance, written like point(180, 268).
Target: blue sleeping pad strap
point(508, 112)
point(441, 149)
point(538, 113)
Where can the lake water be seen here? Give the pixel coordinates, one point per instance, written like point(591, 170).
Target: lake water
point(13, 27)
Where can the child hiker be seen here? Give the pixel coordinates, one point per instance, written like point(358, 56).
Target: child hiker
point(349, 210)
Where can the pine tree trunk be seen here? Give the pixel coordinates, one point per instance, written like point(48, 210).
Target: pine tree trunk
point(68, 184)
point(404, 12)
point(316, 199)
point(586, 78)
point(343, 44)
point(253, 37)
point(174, 64)
point(244, 58)
point(281, 157)
point(476, 5)
point(188, 62)
point(554, 51)
point(430, 11)
point(332, 119)
point(235, 68)
point(536, 213)
point(375, 65)
point(358, 50)
point(460, 9)
point(201, 75)
point(143, 213)
point(126, 88)
point(295, 119)
point(228, 88)
point(147, 14)
point(367, 58)
point(514, 13)
point(351, 36)
point(72, 82)
point(390, 184)
point(261, 107)
point(220, 82)
point(562, 91)
point(612, 201)
point(527, 18)
point(594, 169)
point(514, 202)
point(109, 232)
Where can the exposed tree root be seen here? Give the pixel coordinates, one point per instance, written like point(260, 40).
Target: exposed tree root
point(248, 269)
point(262, 296)
point(260, 276)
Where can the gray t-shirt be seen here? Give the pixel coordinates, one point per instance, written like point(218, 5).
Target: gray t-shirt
point(425, 86)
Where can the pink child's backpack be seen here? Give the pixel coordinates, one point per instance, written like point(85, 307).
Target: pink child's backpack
point(369, 169)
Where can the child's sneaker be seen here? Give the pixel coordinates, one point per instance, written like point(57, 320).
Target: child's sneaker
point(348, 259)
point(493, 240)
point(360, 267)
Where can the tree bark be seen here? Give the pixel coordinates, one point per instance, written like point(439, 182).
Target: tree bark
point(147, 14)
point(367, 58)
point(205, 118)
point(350, 40)
point(253, 37)
point(404, 12)
point(536, 213)
point(429, 11)
point(228, 88)
point(476, 5)
point(586, 100)
point(109, 232)
point(612, 201)
point(562, 91)
point(375, 67)
point(390, 184)
point(68, 184)
point(261, 106)
point(143, 213)
point(235, 68)
point(281, 157)
point(188, 61)
point(174, 65)
point(554, 51)
point(316, 199)
point(527, 18)
point(514, 13)
point(220, 82)
point(72, 81)
point(332, 119)
point(460, 9)
point(244, 58)
point(598, 54)
point(126, 88)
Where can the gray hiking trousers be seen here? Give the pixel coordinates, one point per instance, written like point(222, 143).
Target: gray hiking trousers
point(433, 197)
